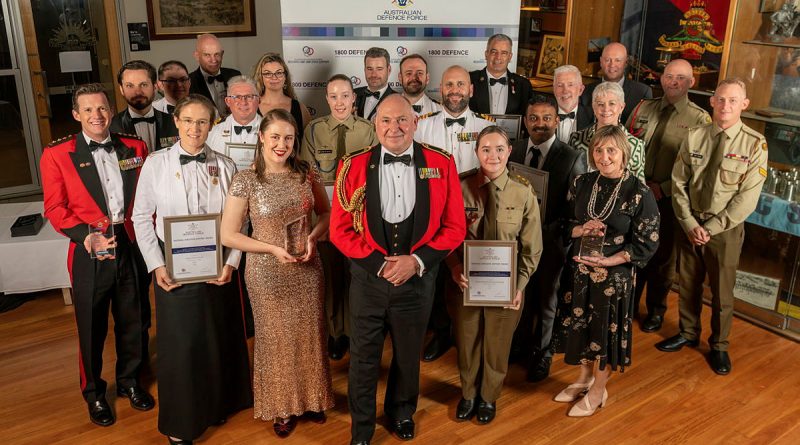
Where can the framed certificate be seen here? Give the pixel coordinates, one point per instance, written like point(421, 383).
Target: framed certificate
point(491, 269)
point(192, 248)
point(242, 154)
point(511, 123)
point(537, 178)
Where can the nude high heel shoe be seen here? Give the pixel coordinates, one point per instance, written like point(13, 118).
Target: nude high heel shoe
point(583, 409)
point(565, 396)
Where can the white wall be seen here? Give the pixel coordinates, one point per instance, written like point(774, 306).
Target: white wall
point(240, 52)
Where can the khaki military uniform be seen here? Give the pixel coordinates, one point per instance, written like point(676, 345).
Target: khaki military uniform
point(716, 183)
point(319, 147)
point(661, 149)
point(504, 209)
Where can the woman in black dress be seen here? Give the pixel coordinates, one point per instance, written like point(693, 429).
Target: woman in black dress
point(595, 311)
point(274, 84)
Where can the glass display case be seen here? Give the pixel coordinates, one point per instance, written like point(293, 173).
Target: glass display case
point(768, 284)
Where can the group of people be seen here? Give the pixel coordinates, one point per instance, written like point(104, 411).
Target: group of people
point(387, 187)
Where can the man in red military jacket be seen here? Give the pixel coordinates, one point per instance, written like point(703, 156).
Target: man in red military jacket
point(90, 178)
point(397, 213)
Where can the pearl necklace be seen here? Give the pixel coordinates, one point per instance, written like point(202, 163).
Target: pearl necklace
point(612, 200)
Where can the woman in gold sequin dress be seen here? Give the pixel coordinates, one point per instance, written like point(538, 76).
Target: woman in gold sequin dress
point(291, 374)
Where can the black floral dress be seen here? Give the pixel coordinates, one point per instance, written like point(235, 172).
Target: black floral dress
point(595, 310)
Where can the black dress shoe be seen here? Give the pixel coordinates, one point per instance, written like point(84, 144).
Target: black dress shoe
point(486, 412)
point(337, 347)
point(539, 367)
point(675, 343)
point(652, 323)
point(404, 429)
point(720, 362)
point(140, 399)
point(221, 421)
point(100, 413)
point(359, 442)
point(465, 409)
point(179, 441)
point(438, 345)
point(283, 429)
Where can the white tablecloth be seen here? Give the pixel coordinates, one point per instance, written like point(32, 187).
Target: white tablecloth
point(31, 263)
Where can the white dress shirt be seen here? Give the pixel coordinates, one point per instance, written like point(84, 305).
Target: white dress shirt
point(224, 133)
point(111, 180)
point(428, 105)
point(567, 126)
point(217, 90)
point(498, 94)
point(543, 148)
point(161, 105)
point(195, 182)
point(456, 139)
point(371, 102)
point(145, 130)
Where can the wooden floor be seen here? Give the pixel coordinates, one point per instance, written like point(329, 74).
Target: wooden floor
point(664, 398)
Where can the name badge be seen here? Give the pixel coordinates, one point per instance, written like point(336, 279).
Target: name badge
point(324, 151)
point(696, 155)
point(131, 163)
point(429, 173)
point(467, 137)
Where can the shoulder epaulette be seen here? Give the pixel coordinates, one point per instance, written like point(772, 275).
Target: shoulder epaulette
point(485, 117)
point(437, 150)
point(427, 115)
point(129, 136)
point(517, 178)
point(362, 120)
point(219, 119)
point(61, 140)
point(434, 100)
point(356, 153)
point(467, 173)
point(752, 132)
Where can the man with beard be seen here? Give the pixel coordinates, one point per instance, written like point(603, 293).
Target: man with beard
point(210, 79)
point(542, 150)
point(136, 81)
point(572, 114)
point(173, 83)
point(613, 62)
point(454, 129)
point(414, 78)
point(376, 70)
point(498, 90)
point(241, 126)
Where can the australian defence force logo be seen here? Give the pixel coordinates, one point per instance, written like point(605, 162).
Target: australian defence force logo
point(402, 11)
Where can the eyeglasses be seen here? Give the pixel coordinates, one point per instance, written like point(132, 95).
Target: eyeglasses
point(191, 122)
point(243, 97)
point(275, 75)
point(174, 81)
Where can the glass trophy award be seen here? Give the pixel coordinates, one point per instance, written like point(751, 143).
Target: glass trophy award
point(101, 232)
point(296, 236)
point(592, 244)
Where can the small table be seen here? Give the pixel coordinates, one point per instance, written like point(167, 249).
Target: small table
point(32, 263)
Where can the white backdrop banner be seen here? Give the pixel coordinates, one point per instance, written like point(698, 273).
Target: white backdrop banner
point(322, 38)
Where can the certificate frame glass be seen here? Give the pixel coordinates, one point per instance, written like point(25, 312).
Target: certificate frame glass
point(193, 251)
point(511, 123)
point(239, 154)
point(485, 285)
point(538, 179)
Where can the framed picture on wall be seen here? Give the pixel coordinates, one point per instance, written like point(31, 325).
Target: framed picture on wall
point(185, 19)
point(551, 55)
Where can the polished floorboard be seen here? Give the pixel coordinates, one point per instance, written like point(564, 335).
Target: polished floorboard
point(662, 399)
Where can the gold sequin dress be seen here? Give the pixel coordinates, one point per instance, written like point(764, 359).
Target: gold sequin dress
point(291, 373)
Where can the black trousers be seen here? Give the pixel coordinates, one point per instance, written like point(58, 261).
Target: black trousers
point(98, 286)
point(440, 321)
point(375, 306)
point(535, 329)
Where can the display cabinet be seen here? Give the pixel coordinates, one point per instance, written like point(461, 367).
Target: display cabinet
point(768, 283)
point(559, 32)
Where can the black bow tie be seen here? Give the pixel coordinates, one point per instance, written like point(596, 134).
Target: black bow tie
point(502, 80)
point(375, 94)
point(170, 109)
point(149, 120)
point(417, 108)
point(185, 159)
point(570, 115)
point(238, 128)
point(218, 78)
point(388, 159)
point(460, 121)
point(107, 146)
